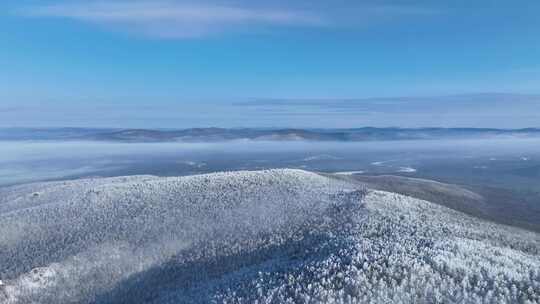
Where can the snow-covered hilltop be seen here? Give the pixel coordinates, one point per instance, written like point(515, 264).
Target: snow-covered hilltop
point(276, 236)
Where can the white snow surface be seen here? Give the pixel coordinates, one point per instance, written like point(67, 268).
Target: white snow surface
point(349, 172)
point(274, 236)
point(406, 170)
point(321, 157)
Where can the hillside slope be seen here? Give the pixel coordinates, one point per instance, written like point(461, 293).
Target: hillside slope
point(276, 236)
point(491, 203)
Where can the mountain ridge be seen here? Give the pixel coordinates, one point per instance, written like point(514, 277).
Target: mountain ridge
point(215, 134)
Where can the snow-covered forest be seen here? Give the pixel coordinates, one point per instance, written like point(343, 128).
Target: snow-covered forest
point(275, 236)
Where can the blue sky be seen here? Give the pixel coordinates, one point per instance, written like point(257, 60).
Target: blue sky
point(181, 64)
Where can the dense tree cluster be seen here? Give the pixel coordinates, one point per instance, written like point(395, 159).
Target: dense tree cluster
point(276, 236)
point(421, 254)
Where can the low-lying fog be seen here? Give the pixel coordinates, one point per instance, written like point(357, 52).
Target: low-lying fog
point(25, 161)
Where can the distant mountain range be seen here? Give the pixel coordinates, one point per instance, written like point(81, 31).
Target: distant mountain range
point(223, 134)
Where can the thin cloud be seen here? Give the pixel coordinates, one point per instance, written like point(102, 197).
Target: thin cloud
point(173, 19)
point(181, 19)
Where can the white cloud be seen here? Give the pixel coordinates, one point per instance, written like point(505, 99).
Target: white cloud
point(174, 19)
point(181, 19)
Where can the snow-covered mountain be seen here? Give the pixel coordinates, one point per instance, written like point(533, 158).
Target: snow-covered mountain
point(276, 236)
